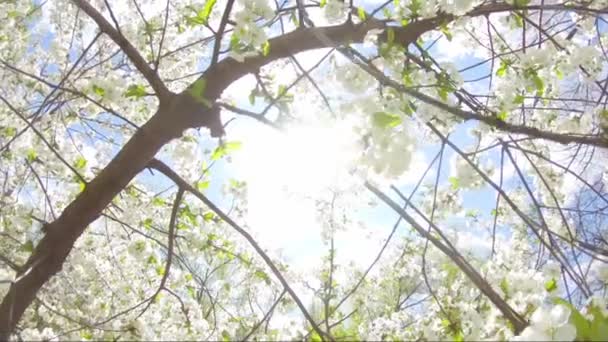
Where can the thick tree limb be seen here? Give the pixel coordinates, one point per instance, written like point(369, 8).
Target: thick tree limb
point(50, 253)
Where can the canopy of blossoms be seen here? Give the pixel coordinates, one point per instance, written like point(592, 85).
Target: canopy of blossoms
point(303, 170)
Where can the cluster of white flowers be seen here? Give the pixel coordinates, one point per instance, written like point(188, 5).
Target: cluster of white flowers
point(429, 8)
point(389, 153)
point(549, 323)
point(464, 174)
point(335, 10)
point(588, 57)
point(458, 7)
point(249, 34)
point(600, 271)
point(354, 79)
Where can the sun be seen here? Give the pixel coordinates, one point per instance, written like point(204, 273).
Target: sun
point(302, 159)
point(287, 170)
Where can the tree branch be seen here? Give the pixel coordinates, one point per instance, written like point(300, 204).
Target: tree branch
point(126, 46)
point(169, 173)
point(517, 320)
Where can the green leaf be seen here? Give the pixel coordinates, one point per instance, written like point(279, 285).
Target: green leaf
point(519, 99)
point(521, 3)
point(150, 28)
point(386, 120)
point(472, 213)
point(80, 163)
point(502, 70)
point(504, 285)
point(390, 35)
point(86, 334)
point(158, 201)
point(233, 145)
point(201, 17)
point(446, 32)
point(135, 90)
point(225, 149)
point(599, 325)
point(31, 155)
point(235, 41)
point(282, 90)
point(208, 216)
point(8, 132)
point(361, 14)
point(187, 213)
point(407, 78)
point(386, 12)
point(558, 73)
point(323, 3)
point(551, 285)
point(98, 90)
point(28, 246)
point(454, 182)
point(81, 186)
point(539, 84)
point(147, 223)
point(266, 48)
point(202, 185)
point(152, 260)
point(262, 275)
point(519, 21)
point(197, 91)
point(415, 6)
point(443, 93)
point(294, 19)
point(583, 326)
point(502, 116)
point(252, 96)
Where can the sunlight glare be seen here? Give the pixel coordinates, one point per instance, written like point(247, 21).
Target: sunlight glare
point(286, 171)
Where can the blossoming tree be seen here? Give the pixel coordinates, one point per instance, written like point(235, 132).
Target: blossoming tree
point(145, 145)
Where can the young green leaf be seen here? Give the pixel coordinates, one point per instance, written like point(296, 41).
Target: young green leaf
point(502, 70)
point(136, 91)
point(386, 120)
point(80, 163)
point(551, 285)
point(454, 182)
point(98, 90)
point(202, 185)
point(266, 48)
point(390, 35)
point(361, 14)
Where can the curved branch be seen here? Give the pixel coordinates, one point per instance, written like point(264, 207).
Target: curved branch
point(515, 318)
